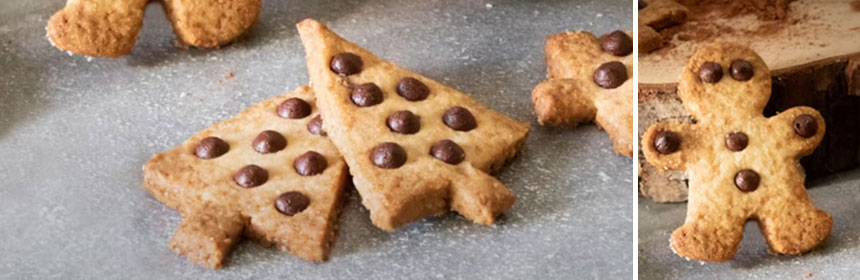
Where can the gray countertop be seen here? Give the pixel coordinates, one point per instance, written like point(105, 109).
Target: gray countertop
point(74, 134)
point(836, 258)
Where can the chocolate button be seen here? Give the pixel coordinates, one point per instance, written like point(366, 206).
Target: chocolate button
point(388, 155)
point(365, 95)
point(642, 4)
point(805, 125)
point(610, 75)
point(447, 151)
point(403, 122)
point(412, 89)
point(747, 180)
point(291, 203)
point(736, 141)
point(667, 142)
point(617, 43)
point(710, 72)
point(310, 163)
point(269, 141)
point(315, 126)
point(459, 118)
point(211, 147)
point(741, 70)
point(346, 64)
point(251, 176)
point(294, 108)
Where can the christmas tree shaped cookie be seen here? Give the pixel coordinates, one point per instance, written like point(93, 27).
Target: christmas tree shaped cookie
point(415, 147)
point(267, 174)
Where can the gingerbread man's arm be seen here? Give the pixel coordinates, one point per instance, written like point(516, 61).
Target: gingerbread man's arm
point(562, 101)
point(670, 145)
point(800, 129)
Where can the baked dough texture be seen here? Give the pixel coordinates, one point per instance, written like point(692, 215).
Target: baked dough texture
point(717, 207)
point(423, 186)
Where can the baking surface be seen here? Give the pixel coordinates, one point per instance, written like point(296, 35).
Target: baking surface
point(74, 134)
point(836, 258)
point(830, 30)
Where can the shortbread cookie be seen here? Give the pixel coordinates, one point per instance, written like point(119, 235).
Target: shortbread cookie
point(741, 165)
point(108, 28)
point(415, 147)
point(589, 80)
point(266, 173)
point(659, 14)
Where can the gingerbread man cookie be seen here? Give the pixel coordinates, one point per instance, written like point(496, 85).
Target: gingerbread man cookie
point(741, 165)
point(589, 80)
point(108, 28)
point(659, 14)
point(268, 174)
point(415, 147)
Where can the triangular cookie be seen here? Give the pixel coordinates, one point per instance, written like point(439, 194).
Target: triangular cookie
point(272, 203)
point(397, 174)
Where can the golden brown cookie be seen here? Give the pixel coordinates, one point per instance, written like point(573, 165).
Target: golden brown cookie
point(649, 39)
point(741, 165)
point(415, 147)
point(265, 174)
point(659, 14)
point(589, 80)
point(108, 28)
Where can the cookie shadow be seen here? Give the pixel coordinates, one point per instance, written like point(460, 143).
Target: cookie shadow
point(20, 87)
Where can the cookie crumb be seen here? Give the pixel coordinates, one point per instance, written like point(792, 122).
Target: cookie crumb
point(809, 275)
point(229, 76)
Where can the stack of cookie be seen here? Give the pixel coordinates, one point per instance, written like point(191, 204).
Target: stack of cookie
point(275, 173)
point(656, 15)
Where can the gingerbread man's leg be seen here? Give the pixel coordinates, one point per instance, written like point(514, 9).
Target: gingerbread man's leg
point(711, 233)
point(793, 225)
point(105, 28)
point(206, 235)
point(211, 23)
point(562, 101)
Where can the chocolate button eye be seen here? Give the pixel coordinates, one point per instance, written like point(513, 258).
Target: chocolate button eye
point(412, 89)
point(310, 163)
point(617, 43)
point(269, 141)
point(294, 108)
point(747, 180)
point(741, 70)
point(805, 126)
point(447, 151)
point(291, 203)
point(710, 72)
point(251, 176)
point(388, 155)
point(346, 64)
point(211, 147)
point(315, 126)
point(610, 75)
point(667, 142)
point(365, 95)
point(459, 118)
point(404, 122)
point(736, 141)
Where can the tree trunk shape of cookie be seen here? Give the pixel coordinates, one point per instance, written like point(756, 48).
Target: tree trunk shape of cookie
point(588, 81)
point(759, 178)
point(224, 187)
point(400, 176)
point(109, 28)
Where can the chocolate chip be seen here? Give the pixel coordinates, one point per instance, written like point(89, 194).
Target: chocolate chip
point(617, 43)
point(710, 72)
point(291, 203)
point(346, 64)
point(269, 141)
point(447, 151)
point(642, 4)
point(294, 108)
point(211, 147)
point(365, 95)
point(741, 70)
point(610, 75)
point(805, 125)
point(388, 155)
point(250, 176)
point(412, 89)
point(310, 163)
point(667, 142)
point(737, 141)
point(747, 180)
point(459, 118)
point(403, 122)
point(315, 126)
